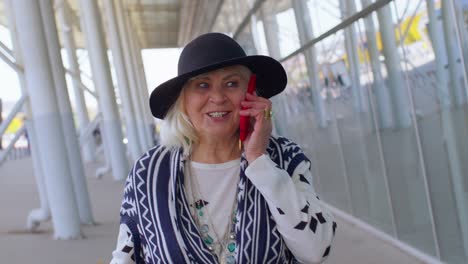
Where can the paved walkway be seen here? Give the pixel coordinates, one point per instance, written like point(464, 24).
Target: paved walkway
point(18, 196)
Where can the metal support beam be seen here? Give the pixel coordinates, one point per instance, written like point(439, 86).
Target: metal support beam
point(141, 88)
point(394, 72)
point(270, 26)
point(133, 85)
point(382, 94)
point(451, 44)
point(15, 66)
point(71, 140)
point(16, 108)
point(111, 126)
point(306, 33)
point(122, 80)
point(6, 49)
point(80, 84)
point(359, 99)
point(51, 141)
point(4, 153)
point(149, 119)
point(453, 152)
point(63, 11)
point(41, 214)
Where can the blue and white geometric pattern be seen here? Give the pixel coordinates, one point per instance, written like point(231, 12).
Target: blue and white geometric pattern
point(155, 208)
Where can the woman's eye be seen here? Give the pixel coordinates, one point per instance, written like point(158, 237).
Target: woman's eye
point(232, 84)
point(203, 85)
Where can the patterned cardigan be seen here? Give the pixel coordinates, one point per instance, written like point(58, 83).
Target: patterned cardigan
point(159, 228)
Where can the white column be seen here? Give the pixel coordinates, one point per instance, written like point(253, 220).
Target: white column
point(255, 34)
point(41, 214)
point(382, 95)
point(133, 86)
point(111, 126)
point(392, 63)
point(139, 84)
point(71, 139)
point(270, 26)
point(122, 80)
point(48, 127)
point(306, 33)
point(453, 149)
point(145, 94)
point(451, 44)
point(435, 27)
point(347, 8)
point(459, 14)
point(89, 149)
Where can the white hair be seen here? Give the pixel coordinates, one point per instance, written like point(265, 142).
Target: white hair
point(176, 129)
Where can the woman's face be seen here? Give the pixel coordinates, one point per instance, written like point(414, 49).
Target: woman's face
point(212, 101)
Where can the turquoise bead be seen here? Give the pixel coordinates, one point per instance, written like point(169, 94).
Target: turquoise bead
point(231, 247)
point(204, 229)
point(208, 240)
point(231, 260)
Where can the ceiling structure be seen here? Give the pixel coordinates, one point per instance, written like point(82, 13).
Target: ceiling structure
point(157, 23)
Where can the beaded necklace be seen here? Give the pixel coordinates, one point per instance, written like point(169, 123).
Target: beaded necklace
point(222, 246)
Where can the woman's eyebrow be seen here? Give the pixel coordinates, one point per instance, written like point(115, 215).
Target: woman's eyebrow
point(199, 77)
point(231, 75)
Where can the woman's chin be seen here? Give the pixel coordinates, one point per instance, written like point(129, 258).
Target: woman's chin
point(220, 133)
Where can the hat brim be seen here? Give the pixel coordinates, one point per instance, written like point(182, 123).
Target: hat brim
point(271, 80)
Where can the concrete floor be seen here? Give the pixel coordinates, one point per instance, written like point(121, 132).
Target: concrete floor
point(19, 196)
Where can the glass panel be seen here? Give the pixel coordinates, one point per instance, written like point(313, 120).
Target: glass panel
point(439, 97)
point(246, 39)
point(231, 15)
point(381, 109)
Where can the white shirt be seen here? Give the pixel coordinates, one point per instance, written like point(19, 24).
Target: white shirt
point(217, 184)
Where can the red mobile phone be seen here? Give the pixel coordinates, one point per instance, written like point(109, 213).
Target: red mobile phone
point(244, 120)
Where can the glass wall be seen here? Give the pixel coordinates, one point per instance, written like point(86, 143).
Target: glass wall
point(379, 103)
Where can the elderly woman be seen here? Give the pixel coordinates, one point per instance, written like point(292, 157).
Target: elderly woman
point(199, 196)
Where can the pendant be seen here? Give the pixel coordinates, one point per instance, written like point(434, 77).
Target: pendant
point(208, 240)
point(204, 228)
point(231, 247)
point(230, 259)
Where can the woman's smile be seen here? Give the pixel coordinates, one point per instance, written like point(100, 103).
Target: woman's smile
point(218, 115)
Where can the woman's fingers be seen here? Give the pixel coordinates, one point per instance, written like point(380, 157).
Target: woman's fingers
point(257, 140)
point(254, 98)
point(258, 113)
point(256, 105)
point(256, 102)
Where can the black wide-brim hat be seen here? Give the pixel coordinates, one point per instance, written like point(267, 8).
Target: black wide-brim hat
point(210, 52)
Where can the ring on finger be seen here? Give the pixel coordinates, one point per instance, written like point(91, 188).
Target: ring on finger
point(267, 113)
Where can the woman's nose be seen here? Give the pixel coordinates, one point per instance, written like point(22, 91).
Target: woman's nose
point(217, 97)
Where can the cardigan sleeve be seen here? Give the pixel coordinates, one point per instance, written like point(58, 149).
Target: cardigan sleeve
point(128, 249)
point(306, 226)
point(124, 251)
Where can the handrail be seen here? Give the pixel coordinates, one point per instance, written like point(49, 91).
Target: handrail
point(19, 133)
point(346, 22)
point(86, 88)
point(6, 49)
point(16, 108)
point(246, 20)
point(405, 34)
point(18, 68)
point(87, 131)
